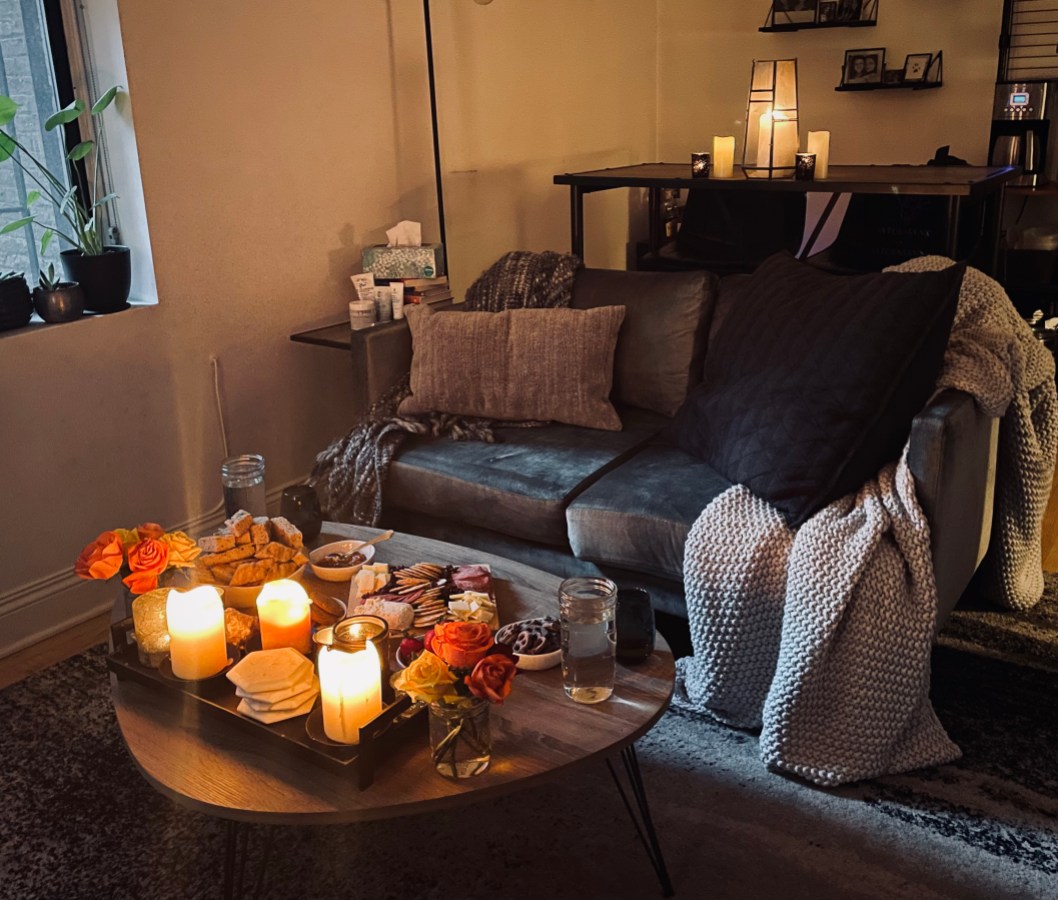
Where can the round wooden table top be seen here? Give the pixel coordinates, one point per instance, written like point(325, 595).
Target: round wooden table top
point(214, 767)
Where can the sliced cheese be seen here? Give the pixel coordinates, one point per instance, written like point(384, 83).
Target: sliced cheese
point(288, 703)
point(269, 670)
point(276, 696)
point(270, 718)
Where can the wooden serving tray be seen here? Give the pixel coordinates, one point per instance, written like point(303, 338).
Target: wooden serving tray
point(399, 720)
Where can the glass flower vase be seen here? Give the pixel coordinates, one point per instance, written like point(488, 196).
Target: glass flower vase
point(460, 742)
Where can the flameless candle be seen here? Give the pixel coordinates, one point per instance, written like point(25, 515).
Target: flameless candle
point(723, 155)
point(819, 144)
point(806, 167)
point(197, 648)
point(699, 165)
point(283, 608)
point(351, 691)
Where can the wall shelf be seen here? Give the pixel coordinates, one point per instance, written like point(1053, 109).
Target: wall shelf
point(823, 14)
point(932, 77)
point(808, 26)
point(910, 86)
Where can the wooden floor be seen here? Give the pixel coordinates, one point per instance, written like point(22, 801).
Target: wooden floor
point(94, 631)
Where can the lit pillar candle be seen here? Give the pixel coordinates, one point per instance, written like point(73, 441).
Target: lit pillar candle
point(197, 648)
point(723, 155)
point(819, 144)
point(764, 148)
point(351, 691)
point(283, 608)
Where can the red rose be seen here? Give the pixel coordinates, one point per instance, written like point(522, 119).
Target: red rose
point(492, 676)
point(150, 530)
point(102, 558)
point(147, 560)
point(461, 644)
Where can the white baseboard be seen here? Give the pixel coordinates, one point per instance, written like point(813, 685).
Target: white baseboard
point(53, 603)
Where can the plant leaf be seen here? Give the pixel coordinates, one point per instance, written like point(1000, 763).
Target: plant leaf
point(65, 115)
point(7, 146)
point(66, 198)
point(8, 107)
point(32, 197)
point(105, 199)
point(18, 223)
point(80, 151)
point(45, 241)
point(105, 101)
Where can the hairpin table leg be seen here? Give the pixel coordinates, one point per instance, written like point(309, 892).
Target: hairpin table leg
point(643, 822)
point(236, 851)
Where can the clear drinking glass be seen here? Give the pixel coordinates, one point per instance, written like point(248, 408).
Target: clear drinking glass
point(243, 478)
point(586, 608)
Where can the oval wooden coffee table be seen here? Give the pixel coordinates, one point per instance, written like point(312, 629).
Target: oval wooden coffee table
point(212, 767)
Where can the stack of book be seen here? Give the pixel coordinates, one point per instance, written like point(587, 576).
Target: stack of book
point(426, 290)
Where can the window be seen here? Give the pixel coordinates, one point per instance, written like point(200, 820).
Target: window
point(28, 75)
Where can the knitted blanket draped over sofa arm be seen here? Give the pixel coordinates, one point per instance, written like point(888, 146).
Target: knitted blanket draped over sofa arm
point(821, 636)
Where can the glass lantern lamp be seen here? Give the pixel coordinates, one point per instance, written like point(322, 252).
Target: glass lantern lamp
point(771, 143)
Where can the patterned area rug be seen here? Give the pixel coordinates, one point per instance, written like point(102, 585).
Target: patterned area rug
point(78, 821)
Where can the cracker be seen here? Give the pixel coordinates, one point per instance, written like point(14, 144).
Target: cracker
point(286, 533)
point(216, 543)
point(239, 523)
point(252, 572)
point(228, 556)
point(278, 552)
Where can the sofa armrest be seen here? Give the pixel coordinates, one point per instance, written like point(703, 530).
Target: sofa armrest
point(382, 356)
point(953, 460)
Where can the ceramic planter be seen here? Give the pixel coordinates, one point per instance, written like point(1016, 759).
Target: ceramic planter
point(105, 279)
point(64, 303)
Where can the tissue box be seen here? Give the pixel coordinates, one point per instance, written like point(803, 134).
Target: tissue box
point(427, 261)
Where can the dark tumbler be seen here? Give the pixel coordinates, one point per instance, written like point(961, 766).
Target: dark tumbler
point(635, 625)
point(301, 505)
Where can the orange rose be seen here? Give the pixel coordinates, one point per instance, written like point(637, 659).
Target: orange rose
point(492, 676)
point(461, 644)
point(147, 560)
point(102, 558)
point(150, 530)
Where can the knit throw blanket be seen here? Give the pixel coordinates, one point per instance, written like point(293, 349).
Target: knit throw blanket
point(821, 637)
point(351, 473)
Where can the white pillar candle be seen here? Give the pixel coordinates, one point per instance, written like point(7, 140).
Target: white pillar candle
point(819, 144)
point(283, 608)
point(351, 691)
point(723, 155)
point(764, 148)
point(197, 648)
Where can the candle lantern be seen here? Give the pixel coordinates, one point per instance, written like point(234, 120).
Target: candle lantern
point(806, 167)
point(771, 120)
point(350, 690)
point(700, 165)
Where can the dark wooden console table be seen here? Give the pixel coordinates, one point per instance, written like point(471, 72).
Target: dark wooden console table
point(955, 183)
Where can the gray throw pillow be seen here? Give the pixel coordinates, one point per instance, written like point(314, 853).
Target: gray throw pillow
point(519, 365)
point(661, 347)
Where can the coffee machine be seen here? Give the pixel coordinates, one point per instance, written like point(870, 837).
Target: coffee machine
point(1021, 129)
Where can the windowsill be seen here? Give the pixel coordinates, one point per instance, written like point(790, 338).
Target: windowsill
point(38, 326)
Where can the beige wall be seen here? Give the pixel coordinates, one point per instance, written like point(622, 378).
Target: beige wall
point(275, 139)
point(705, 51)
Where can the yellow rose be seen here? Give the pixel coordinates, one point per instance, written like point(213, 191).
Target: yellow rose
point(182, 550)
point(426, 679)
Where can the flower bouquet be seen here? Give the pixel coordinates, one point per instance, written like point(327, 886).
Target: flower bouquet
point(460, 669)
point(144, 554)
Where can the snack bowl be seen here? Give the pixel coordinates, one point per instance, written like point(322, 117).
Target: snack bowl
point(240, 597)
point(533, 662)
point(537, 662)
point(339, 573)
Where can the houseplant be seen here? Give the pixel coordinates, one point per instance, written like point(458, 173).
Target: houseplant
point(103, 271)
point(15, 304)
point(56, 300)
point(460, 669)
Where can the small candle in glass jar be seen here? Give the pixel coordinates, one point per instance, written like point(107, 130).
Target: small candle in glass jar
point(283, 608)
point(806, 167)
point(700, 165)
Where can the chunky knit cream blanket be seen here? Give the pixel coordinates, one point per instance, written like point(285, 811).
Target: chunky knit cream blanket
point(821, 637)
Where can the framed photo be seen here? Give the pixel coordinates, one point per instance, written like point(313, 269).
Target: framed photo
point(916, 66)
point(863, 66)
point(784, 11)
point(828, 10)
point(892, 76)
point(849, 10)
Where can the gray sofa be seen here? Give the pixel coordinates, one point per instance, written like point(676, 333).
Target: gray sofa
point(577, 501)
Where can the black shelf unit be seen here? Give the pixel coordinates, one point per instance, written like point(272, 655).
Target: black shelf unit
point(780, 20)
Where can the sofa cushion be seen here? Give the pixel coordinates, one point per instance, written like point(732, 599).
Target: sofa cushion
point(661, 346)
point(516, 365)
point(519, 486)
point(814, 379)
point(638, 515)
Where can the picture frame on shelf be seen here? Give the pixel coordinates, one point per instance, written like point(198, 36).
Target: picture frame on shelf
point(863, 66)
point(892, 76)
point(828, 11)
point(848, 11)
point(917, 66)
point(794, 11)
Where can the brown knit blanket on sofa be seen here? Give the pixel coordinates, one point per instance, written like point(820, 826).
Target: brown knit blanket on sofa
point(350, 474)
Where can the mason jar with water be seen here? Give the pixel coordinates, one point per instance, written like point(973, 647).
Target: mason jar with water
point(589, 637)
point(243, 479)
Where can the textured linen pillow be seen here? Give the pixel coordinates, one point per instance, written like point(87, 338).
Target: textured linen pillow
point(813, 379)
point(552, 364)
point(661, 347)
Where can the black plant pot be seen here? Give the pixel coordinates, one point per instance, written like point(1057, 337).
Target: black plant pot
point(105, 279)
point(16, 305)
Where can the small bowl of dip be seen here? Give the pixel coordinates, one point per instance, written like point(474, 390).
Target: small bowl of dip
point(340, 560)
